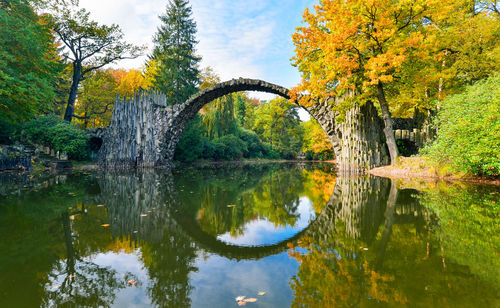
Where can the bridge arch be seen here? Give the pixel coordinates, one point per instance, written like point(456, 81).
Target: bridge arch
point(186, 112)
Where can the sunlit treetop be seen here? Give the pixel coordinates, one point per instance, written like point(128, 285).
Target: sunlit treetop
point(357, 44)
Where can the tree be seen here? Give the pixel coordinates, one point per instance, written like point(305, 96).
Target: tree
point(129, 81)
point(363, 46)
point(89, 46)
point(97, 98)
point(278, 123)
point(29, 66)
point(315, 141)
point(174, 52)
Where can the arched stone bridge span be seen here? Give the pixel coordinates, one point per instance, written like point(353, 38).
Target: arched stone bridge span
point(144, 130)
point(321, 226)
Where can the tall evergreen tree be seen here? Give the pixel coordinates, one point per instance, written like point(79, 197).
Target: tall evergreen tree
point(178, 74)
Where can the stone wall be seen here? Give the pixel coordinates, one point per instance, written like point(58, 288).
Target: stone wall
point(16, 157)
point(418, 129)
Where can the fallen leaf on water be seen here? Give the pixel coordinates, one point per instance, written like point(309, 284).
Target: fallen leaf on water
point(365, 248)
point(144, 215)
point(72, 217)
point(231, 205)
point(239, 298)
point(149, 211)
point(100, 205)
point(132, 281)
point(136, 231)
point(71, 276)
point(105, 225)
point(250, 300)
point(242, 303)
point(261, 293)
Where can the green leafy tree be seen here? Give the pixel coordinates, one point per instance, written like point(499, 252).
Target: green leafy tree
point(240, 109)
point(29, 65)
point(97, 99)
point(278, 123)
point(177, 74)
point(89, 46)
point(469, 130)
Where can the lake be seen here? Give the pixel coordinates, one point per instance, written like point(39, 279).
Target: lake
point(278, 235)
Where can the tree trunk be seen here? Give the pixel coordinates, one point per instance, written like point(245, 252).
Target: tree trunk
point(389, 133)
point(389, 221)
point(70, 107)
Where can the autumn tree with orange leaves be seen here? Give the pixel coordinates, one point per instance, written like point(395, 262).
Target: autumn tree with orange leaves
point(363, 46)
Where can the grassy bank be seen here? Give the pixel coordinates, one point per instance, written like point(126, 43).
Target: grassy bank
point(423, 168)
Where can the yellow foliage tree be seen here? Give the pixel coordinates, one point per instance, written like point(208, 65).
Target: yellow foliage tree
point(363, 46)
point(315, 139)
point(129, 81)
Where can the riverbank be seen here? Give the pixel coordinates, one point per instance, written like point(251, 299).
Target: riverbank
point(420, 168)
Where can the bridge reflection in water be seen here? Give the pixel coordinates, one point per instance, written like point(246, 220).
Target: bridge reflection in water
point(173, 231)
point(172, 222)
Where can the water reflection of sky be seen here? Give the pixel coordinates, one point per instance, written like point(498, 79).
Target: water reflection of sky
point(216, 282)
point(263, 232)
point(219, 281)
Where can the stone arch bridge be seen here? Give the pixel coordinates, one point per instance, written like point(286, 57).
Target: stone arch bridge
point(144, 130)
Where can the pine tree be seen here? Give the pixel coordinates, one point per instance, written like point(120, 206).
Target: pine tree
point(177, 74)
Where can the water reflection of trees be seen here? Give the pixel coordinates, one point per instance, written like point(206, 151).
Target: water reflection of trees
point(442, 254)
point(386, 248)
point(226, 203)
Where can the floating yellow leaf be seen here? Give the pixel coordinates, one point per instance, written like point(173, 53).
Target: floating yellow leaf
point(144, 215)
point(250, 300)
point(72, 217)
point(242, 303)
point(100, 205)
point(105, 225)
point(231, 205)
point(261, 293)
point(132, 281)
point(239, 298)
point(71, 276)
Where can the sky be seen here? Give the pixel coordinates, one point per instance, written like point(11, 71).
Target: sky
point(237, 38)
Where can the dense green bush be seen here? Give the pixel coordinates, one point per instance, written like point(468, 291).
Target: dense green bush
point(58, 134)
point(324, 155)
point(67, 138)
point(191, 144)
point(230, 147)
point(254, 146)
point(7, 131)
point(244, 143)
point(469, 130)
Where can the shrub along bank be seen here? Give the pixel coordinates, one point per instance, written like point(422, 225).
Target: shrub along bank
point(468, 139)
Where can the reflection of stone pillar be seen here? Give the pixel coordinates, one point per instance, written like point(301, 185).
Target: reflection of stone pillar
point(168, 253)
point(129, 196)
point(360, 204)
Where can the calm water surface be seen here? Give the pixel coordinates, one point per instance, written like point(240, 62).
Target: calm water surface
point(201, 236)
